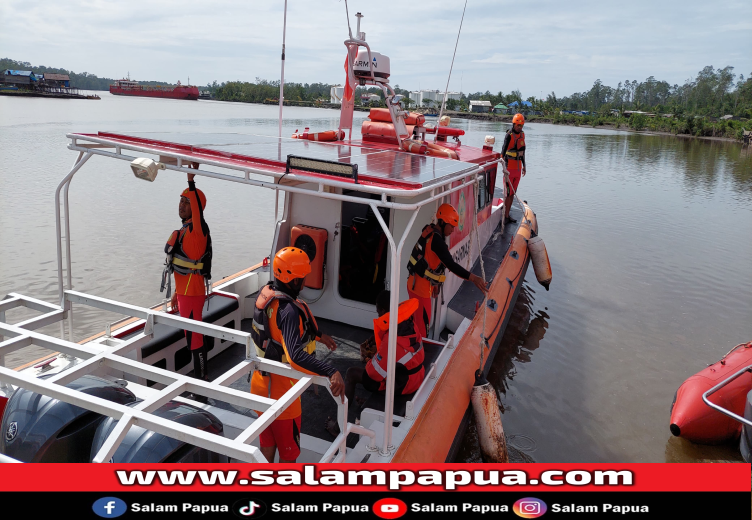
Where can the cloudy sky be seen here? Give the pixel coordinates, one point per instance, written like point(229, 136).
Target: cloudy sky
point(537, 46)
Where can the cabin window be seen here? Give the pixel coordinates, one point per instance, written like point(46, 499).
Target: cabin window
point(364, 250)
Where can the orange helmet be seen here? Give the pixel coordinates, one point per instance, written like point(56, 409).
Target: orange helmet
point(448, 214)
point(201, 196)
point(518, 119)
point(291, 263)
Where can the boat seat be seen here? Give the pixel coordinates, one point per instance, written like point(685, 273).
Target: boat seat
point(377, 400)
point(218, 307)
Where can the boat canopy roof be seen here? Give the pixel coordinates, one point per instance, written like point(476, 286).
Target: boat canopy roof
point(380, 170)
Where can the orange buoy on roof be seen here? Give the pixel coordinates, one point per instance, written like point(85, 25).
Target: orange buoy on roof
point(381, 131)
point(695, 421)
point(445, 130)
point(382, 115)
point(329, 135)
point(426, 148)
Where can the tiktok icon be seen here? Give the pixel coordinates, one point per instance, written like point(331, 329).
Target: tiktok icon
point(249, 508)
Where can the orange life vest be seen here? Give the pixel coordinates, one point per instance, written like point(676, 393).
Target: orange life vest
point(410, 351)
point(516, 148)
point(425, 268)
point(270, 345)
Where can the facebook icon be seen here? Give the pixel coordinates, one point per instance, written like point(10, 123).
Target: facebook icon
point(109, 507)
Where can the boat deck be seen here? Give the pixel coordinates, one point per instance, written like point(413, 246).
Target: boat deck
point(317, 404)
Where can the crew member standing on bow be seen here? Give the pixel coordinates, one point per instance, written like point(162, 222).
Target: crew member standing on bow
point(430, 258)
point(189, 254)
point(513, 152)
point(285, 330)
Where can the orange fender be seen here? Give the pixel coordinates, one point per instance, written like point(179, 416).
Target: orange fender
point(430, 437)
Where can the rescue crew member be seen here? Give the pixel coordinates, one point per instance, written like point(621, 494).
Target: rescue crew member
point(429, 259)
point(513, 152)
point(410, 355)
point(285, 330)
point(189, 255)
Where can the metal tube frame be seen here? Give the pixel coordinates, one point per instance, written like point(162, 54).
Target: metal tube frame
point(100, 357)
point(720, 385)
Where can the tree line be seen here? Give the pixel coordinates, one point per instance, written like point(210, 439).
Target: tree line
point(712, 93)
point(79, 80)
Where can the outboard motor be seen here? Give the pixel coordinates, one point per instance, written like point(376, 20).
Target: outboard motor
point(38, 428)
point(745, 445)
point(141, 445)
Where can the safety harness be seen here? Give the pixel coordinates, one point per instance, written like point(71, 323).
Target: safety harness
point(266, 346)
point(178, 262)
point(418, 264)
point(514, 151)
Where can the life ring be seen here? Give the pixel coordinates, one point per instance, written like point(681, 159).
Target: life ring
point(329, 135)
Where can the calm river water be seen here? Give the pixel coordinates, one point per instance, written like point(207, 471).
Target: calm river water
point(650, 239)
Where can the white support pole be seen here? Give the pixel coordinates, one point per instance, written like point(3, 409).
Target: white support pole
point(68, 262)
point(80, 161)
point(396, 254)
point(282, 75)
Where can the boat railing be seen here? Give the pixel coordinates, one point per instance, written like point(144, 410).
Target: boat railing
point(179, 161)
point(724, 411)
point(98, 357)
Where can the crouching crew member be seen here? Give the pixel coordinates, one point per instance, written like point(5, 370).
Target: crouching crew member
point(430, 258)
point(409, 372)
point(285, 330)
point(189, 255)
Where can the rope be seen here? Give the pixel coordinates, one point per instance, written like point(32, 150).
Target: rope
point(483, 339)
point(347, 12)
point(443, 101)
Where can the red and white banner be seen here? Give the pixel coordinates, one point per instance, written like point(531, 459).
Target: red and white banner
point(378, 478)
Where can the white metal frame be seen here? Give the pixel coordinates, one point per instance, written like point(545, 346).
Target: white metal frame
point(100, 357)
point(87, 146)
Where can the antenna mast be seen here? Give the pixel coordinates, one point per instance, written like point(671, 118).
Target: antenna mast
point(443, 102)
point(282, 76)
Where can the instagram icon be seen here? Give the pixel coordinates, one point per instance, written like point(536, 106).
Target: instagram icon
point(530, 507)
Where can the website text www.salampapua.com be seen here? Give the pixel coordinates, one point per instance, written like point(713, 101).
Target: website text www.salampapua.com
point(393, 479)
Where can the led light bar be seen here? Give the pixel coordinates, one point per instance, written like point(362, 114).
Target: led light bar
point(321, 166)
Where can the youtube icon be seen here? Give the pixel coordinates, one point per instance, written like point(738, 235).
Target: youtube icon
point(389, 508)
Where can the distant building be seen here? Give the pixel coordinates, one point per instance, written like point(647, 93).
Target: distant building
point(56, 80)
point(480, 106)
point(435, 96)
point(523, 105)
point(501, 108)
point(19, 78)
point(335, 94)
point(367, 98)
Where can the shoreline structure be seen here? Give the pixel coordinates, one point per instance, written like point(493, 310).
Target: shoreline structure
point(507, 118)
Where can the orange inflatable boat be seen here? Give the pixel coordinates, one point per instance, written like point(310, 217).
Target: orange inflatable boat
point(695, 421)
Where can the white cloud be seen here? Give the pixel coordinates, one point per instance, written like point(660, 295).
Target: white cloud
point(543, 44)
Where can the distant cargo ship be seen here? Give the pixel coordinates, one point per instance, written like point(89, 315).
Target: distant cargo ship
point(127, 87)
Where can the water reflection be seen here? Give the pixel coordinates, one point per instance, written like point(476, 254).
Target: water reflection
point(648, 237)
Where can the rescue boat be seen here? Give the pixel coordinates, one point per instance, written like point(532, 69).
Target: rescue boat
point(356, 206)
point(692, 415)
